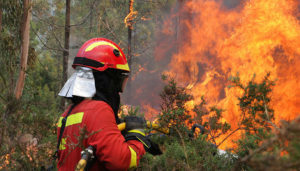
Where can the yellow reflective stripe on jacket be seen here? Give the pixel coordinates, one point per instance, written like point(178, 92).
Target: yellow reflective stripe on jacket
point(72, 119)
point(137, 131)
point(133, 161)
point(62, 145)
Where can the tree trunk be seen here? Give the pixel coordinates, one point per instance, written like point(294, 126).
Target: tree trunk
point(0, 16)
point(129, 56)
point(24, 49)
point(66, 48)
point(129, 34)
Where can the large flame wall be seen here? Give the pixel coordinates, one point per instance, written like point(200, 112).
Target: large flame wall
point(255, 37)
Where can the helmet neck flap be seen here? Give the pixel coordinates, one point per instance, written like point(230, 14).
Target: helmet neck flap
point(107, 89)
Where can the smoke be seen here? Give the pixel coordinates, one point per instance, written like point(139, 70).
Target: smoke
point(171, 36)
point(146, 83)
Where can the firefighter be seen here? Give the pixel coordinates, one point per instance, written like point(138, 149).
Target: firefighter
point(101, 72)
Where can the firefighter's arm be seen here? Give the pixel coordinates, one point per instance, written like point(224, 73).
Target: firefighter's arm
point(111, 148)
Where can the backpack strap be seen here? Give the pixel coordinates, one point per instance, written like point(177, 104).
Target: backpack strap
point(63, 125)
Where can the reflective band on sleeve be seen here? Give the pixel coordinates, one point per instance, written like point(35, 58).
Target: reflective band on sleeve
point(142, 142)
point(72, 119)
point(123, 67)
point(133, 161)
point(137, 131)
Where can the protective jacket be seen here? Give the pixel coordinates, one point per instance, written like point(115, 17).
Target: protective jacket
point(93, 122)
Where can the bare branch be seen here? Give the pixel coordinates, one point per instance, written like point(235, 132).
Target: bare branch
point(44, 44)
point(268, 116)
point(228, 136)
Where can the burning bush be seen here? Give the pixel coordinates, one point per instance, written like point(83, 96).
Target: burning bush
point(183, 149)
point(260, 143)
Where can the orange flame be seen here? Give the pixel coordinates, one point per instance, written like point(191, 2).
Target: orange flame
point(255, 37)
point(150, 112)
point(128, 20)
point(6, 159)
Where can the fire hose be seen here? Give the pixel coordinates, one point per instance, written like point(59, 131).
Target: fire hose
point(87, 154)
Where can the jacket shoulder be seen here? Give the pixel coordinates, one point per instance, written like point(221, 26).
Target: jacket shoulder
point(94, 109)
point(95, 105)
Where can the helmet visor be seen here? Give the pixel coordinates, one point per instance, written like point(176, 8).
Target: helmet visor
point(124, 80)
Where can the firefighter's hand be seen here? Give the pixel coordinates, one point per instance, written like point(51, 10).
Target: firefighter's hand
point(135, 124)
point(135, 127)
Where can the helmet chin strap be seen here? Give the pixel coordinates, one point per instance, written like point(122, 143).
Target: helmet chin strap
point(81, 83)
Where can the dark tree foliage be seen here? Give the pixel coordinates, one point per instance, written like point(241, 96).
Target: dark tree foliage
point(256, 114)
point(174, 113)
point(263, 145)
point(214, 128)
point(255, 104)
point(181, 151)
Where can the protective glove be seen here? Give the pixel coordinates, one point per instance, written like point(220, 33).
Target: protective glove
point(135, 124)
point(135, 127)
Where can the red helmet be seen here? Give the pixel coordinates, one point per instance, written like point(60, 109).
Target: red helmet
point(100, 54)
